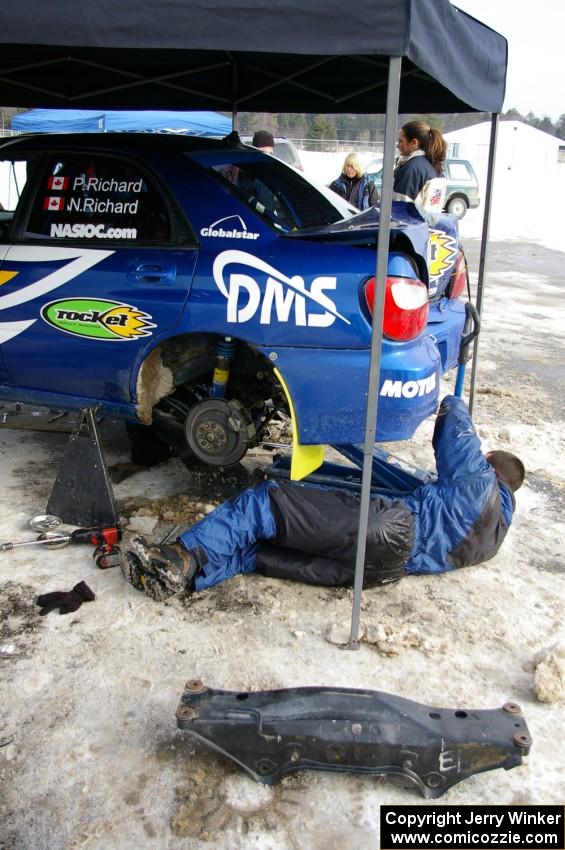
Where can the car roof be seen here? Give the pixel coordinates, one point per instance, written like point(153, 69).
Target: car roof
point(139, 142)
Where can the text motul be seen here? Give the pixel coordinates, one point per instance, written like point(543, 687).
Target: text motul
point(408, 389)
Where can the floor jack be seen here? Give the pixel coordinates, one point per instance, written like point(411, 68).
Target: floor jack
point(391, 476)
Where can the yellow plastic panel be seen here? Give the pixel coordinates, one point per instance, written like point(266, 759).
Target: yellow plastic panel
point(305, 459)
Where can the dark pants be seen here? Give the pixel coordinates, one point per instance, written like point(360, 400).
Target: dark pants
point(316, 538)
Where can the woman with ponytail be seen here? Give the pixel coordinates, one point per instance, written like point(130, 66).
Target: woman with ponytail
point(419, 175)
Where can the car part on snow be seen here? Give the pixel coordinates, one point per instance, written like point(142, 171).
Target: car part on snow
point(271, 733)
point(471, 330)
point(82, 493)
point(44, 522)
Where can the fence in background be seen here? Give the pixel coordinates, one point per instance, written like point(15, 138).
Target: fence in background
point(337, 145)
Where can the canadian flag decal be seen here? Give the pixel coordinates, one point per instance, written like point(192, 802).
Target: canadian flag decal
point(51, 203)
point(58, 183)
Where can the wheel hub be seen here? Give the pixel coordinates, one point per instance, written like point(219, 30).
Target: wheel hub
point(210, 436)
point(219, 431)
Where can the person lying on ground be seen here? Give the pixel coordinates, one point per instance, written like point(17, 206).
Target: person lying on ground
point(303, 533)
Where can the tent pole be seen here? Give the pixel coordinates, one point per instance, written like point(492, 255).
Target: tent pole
point(234, 96)
point(484, 247)
point(393, 94)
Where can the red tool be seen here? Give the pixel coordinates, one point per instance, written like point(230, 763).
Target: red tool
point(96, 536)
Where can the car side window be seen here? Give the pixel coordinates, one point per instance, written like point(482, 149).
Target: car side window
point(96, 197)
point(14, 175)
point(275, 193)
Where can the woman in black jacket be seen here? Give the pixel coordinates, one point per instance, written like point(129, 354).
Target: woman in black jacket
point(422, 155)
point(354, 185)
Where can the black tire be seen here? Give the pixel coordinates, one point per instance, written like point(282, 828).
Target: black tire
point(457, 206)
point(147, 448)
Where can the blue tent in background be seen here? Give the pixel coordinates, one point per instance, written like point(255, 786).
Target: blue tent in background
point(120, 121)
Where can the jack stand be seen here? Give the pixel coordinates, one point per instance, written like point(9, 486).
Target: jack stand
point(82, 493)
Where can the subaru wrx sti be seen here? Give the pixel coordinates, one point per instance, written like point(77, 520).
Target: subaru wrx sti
point(198, 288)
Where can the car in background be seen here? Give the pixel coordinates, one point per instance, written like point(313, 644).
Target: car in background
point(462, 185)
point(197, 289)
point(284, 150)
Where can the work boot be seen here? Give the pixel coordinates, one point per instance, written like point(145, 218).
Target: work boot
point(132, 570)
point(170, 564)
point(141, 579)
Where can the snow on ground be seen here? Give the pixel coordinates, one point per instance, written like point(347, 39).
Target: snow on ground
point(526, 208)
point(90, 755)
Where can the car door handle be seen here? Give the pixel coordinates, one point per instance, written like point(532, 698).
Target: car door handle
point(153, 273)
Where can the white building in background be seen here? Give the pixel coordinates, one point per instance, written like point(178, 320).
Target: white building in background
point(529, 182)
point(519, 147)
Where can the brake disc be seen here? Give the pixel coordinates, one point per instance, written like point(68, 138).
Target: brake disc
point(271, 733)
point(219, 431)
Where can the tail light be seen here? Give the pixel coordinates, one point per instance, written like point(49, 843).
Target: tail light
point(458, 279)
point(406, 306)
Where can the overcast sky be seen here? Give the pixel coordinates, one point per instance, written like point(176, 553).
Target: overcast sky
point(535, 30)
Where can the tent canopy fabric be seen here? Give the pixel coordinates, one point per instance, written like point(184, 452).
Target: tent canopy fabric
point(98, 121)
point(284, 56)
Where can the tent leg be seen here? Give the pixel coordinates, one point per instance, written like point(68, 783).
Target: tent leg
point(393, 94)
point(234, 80)
point(484, 247)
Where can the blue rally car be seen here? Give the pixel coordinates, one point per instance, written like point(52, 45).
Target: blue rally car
point(198, 287)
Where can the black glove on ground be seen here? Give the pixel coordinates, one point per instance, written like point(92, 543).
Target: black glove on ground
point(65, 601)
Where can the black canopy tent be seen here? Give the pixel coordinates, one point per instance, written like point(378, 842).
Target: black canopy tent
point(366, 56)
point(284, 56)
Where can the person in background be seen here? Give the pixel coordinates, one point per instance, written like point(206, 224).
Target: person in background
point(306, 534)
point(354, 185)
point(419, 175)
point(264, 141)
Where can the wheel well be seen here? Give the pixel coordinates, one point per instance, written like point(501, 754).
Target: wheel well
point(187, 360)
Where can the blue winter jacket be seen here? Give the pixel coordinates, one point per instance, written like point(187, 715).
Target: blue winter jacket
point(412, 175)
point(462, 518)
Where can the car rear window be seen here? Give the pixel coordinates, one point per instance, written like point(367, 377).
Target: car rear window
point(459, 171)
point(275, 193)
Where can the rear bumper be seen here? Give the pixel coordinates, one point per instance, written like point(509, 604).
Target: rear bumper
point(445, 324)
point(328, 387)
point(329, 390)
